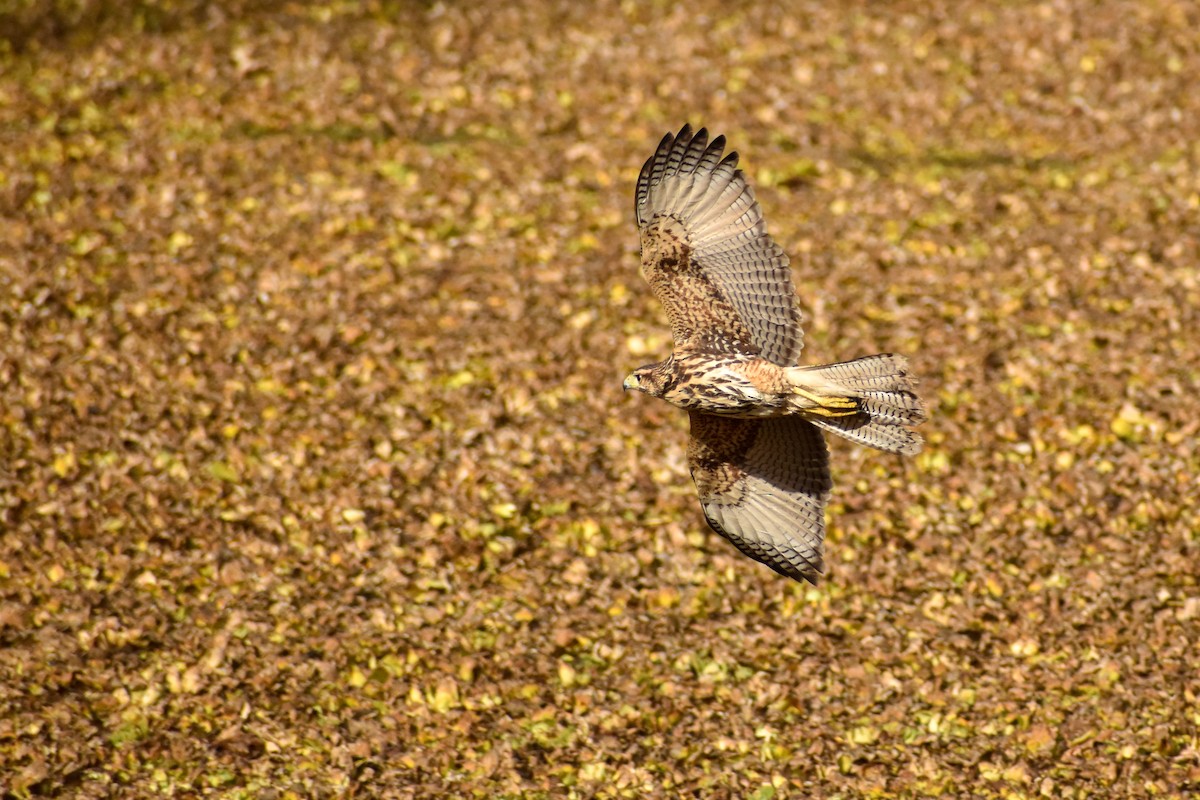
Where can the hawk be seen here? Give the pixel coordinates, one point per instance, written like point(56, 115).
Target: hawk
point(757, 452)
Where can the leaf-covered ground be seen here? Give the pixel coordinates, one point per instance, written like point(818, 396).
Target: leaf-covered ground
point(316, 475)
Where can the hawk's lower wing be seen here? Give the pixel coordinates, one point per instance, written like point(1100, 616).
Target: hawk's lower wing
point(763, 485)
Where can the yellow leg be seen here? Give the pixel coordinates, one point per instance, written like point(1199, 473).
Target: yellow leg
point(828, 406)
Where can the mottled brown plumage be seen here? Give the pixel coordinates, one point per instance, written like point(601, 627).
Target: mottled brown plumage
point(756, 454)
point(763, 485)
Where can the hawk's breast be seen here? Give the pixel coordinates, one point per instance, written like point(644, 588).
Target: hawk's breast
point(724, 386)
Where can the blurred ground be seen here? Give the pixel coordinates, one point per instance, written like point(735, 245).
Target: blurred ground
point(316, 477)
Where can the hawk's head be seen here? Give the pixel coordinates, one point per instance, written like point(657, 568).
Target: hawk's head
point(653, 379)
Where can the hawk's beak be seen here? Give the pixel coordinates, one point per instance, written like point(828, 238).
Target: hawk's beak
point(631, 382)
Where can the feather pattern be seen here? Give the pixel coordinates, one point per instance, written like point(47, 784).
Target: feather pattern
point(703, 237)
point(763, 485)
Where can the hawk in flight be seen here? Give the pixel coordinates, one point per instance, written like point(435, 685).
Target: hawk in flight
point(757, 453)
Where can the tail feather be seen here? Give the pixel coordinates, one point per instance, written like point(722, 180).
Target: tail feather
point(869, 400)
point(862, 429)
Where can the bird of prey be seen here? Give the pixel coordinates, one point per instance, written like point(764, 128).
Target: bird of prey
point(757, 453)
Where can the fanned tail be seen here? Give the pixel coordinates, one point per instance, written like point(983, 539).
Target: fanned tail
point(870, 400)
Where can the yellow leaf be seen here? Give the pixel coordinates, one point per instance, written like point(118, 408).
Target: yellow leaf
point(566, 674)
point(357, 678)
point(178, 241)
point(1016, 774)
point(445, 696)
point(504, 510)
point(222, 471)
point(1039, 741)
point(864, 734)
point(64, 464)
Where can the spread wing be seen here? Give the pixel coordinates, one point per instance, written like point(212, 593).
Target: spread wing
point(763, 484)
point(707, 256)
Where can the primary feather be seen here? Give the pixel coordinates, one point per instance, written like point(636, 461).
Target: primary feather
point(704, 235)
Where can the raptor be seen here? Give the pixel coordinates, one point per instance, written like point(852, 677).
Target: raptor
point(757, 451)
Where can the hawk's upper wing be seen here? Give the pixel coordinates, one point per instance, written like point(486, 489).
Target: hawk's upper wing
point(707, 255)
point(763, 484)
